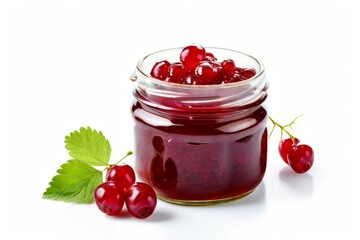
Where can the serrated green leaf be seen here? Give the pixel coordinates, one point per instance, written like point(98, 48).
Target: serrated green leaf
point(89, 146)
point(75, 182)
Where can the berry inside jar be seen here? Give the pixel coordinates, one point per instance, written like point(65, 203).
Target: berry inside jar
point(199, 145)
point(199, 67)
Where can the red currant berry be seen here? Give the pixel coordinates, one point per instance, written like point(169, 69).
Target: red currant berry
point(214, 64)
point(228, 67)
point(177, 73)
point(205, 73)
point(123, 175)
point(210, 57)
point(220, 78)
point(191, 55)
point(301, 158)
point(247, 73)
point(109, 198)
point(236, 78)
point(160, 70)
point(141, 200)
point(284, 147)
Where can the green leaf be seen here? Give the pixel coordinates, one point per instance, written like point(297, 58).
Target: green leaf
point(89, 146)
point(75, 182)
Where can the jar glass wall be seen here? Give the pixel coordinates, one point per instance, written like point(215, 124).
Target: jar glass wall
point(199, 145)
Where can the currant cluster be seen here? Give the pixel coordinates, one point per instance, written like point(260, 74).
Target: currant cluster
point(199, 67)
point(300, 157)
point(119, 188)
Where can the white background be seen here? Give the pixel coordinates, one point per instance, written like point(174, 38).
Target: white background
point(66, 64)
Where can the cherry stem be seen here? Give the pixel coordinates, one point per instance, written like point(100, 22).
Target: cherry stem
point(283, 127)
point(127, 154)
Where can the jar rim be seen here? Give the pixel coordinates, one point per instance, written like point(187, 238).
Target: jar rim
point(204, 87)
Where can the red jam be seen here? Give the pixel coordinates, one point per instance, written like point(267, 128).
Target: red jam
point(200, 144)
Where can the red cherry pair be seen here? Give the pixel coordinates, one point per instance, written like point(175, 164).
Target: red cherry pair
point(119, 188)
point(300, 157)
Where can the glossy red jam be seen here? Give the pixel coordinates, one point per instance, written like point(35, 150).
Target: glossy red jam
point(199, 145)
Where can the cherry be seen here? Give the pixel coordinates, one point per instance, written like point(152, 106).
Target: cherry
point(205, 73)
point(109, 198)
point(209, 56)
point(228, 67)
point(284, 148)
point(191, 55)
point(301, 158)
point(247, 73)
point(160, 70)
point(214, 64)
point(177, 73)
point(236, 78)
point(123, 175)
point(141, 200)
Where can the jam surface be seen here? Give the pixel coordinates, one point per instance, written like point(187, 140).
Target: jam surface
point(200, 160)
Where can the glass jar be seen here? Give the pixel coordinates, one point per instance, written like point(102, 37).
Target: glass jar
point(200, 144)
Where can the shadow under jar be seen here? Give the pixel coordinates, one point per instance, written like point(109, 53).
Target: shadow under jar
point(200, 144)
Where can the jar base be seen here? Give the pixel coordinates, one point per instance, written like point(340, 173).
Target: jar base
point(203, 202)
